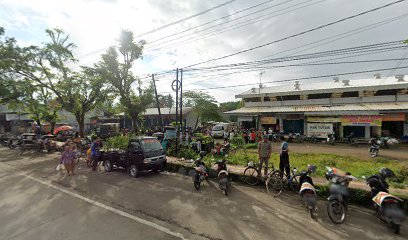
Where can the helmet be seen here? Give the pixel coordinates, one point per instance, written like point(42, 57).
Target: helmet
point(311, 168)
point(202, 154)
point(284, 146)
point(386, 173)
point(303, 173)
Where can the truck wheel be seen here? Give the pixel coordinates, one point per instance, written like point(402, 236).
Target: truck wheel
point(107, 165)
point(134, 171)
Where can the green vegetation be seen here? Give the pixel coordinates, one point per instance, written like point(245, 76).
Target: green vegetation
point(358, 167)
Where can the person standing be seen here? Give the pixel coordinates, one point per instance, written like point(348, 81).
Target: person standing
point(284, 165)
point(95, 152)
point(264, 153)
point(68, 160)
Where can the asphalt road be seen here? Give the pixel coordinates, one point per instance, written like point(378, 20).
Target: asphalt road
point(36, 202)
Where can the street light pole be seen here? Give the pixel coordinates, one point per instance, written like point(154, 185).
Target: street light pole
point(260, 100)
point(157, 102)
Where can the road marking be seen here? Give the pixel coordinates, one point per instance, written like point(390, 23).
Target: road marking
point(106, 207)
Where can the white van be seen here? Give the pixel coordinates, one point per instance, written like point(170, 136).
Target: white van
point(219, 129)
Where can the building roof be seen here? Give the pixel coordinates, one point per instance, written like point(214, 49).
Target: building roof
point(165, 111)
point(329, 86)
point(339, 109)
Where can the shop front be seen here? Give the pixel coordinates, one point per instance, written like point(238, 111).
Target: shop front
point(393, 124)
point(247, 122)
point(293, 123)
point(361, 126)
point(321, 127)
point(270, 122)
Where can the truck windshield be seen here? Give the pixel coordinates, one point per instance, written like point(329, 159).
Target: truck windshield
point(218, 128)
point(151, 145)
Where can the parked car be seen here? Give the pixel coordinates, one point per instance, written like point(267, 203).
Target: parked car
point(142, 154)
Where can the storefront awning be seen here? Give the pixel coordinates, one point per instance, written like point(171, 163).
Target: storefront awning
point(340, 109)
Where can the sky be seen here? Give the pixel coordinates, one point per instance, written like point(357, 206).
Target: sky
point(94, 25)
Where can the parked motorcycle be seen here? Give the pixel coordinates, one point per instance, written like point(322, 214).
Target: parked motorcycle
point(337, 206)
point(295, 136)
point(351, 139)
point(307, 189)
point(200, 171)
point(222, 173)
point(331, 138)
point(388, 207)
point(374, 147)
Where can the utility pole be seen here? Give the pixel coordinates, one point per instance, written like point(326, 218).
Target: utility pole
point(157, 102)
point(177, 125)
point(260, 100)
point(181, 104)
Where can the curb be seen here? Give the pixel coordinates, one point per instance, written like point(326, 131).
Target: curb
point(357, 196)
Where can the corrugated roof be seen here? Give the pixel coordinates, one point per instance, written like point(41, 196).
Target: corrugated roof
point(321, 108)
point(166, 111)
point(328, 87)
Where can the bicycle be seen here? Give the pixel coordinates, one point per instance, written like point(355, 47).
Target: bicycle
point(278, 180)
point(251, 173)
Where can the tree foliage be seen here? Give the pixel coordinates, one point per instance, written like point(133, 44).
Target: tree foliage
point(49, 79)
point(204, 106)
point(115, 69)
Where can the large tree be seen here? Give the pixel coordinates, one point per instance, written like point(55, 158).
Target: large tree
point(204, 106)
point(50, 67)
point(115, 67)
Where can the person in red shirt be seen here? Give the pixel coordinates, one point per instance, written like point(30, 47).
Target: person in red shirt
point(252, 137)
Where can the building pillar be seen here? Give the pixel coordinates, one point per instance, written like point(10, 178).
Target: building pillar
point(280, 123)
point(341, 131)
point(377, 131)
point(367, 132)
point(405, 129)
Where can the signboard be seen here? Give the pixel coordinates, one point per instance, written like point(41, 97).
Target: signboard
point(393, 117)
point(374, 121)
point(324, 119)
point(268, 120)
point(320, 130)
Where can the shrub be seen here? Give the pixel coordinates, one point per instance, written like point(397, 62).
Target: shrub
point(183, 152)
point(238, 140)
point(251, 146)
point(117, 142)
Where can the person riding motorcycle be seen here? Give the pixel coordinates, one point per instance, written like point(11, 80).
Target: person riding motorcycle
point(378, 182)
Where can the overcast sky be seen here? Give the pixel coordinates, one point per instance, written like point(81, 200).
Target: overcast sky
point(94, 25)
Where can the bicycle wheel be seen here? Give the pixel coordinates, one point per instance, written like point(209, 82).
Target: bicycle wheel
point(274, 184)
point(251, 176)
point(293, 183)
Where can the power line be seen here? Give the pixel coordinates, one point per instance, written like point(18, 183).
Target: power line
point(186, 18)
point(303, 78)
point(215, 20)
point(222, 23)
point(240, 25)
point(301, 33)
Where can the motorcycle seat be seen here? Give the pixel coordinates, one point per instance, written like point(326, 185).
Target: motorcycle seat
point(381, 196)
point(307, 186)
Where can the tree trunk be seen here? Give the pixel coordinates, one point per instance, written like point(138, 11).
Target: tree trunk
point(134, 123)
point(195, 126)
point(80, 117)
point(52, 126)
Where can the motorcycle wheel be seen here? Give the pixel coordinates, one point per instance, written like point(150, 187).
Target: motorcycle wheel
point(396, 228)
point(197, 185)
point(373, 153)
point(311, 212)
point(336, 211)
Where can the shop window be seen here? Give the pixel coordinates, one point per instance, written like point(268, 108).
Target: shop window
point(290, 97)
point(319, 95)
point(386, 92)
point(255, 99)
point(349, 94)
point(267, 99)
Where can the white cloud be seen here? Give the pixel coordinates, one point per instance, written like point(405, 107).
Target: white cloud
point(95, 24)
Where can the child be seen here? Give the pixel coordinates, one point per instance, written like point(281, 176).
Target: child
point(68, 159)
point(284, 165)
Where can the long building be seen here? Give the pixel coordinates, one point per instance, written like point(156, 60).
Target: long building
point(367, 107)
